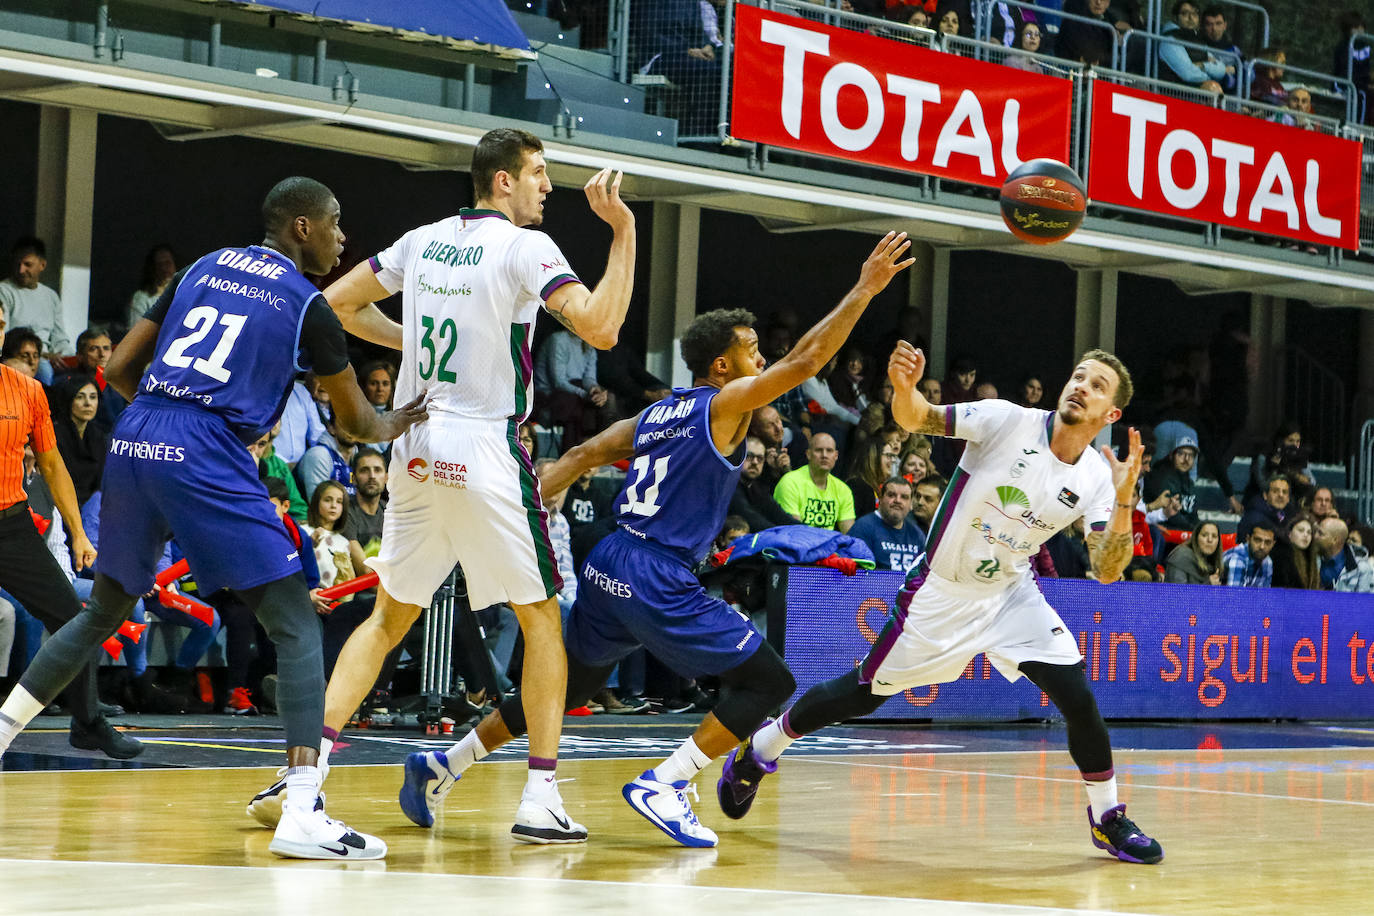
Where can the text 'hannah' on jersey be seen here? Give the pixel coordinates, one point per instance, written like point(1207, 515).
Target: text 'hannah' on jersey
point(230, 340)
point(679, 485)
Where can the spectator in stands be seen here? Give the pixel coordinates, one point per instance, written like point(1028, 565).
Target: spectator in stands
point(92, 353)
point(1173, 476)
point(26, 302)
point(1345, 567)
point(893, 536)
point(302, 422)
point(1285, 455)
point(986, 391)
point(328, 459)
point(849, 381)
point(1248, 564)
point(1272, 509)
point(377, 379)
point(560, 536)
point(733, 527)
point(586, 504)
point(1007, 22)
point(672, 40)
point(1028, 38)
point(365, 507)
point(812, 494)
point(529, 438)
point(931, 389)
point(159, 266)
point(1069, 552)
point(781, 442)
point(1267, 84)
point(565, 377)
point(1299, 106)
point(1197, 561)
point(1191, 66)
point(1084, 42)
point(81, 440)
point(1356, 66)
point(915, 467)
point(1324, 504)
point(623, 374)
point(827, 414)
point(1216, 33)
point(753, 500)
point(325, 522)
point(962, 380)
point(867, 472)
point(23, 350)
point(1030, 392)
point(909, 12)
point(947, 19)
point(1297, 559)
point(926, 500)
point(271, 466)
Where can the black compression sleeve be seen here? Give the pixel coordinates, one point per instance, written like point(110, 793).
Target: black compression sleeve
point(157, 312)
point(324, 347)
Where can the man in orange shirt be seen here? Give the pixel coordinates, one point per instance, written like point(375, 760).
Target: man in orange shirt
point(27, 570)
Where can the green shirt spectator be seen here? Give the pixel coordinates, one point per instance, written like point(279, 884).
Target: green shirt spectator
point(812, 495)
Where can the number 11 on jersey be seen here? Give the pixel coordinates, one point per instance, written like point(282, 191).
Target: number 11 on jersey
point(648, 506)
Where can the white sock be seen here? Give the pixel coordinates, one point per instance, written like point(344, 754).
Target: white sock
point(16, 712)
point(687, 761)
point(302, 786)
point(466, 752)
point(326, 745)
point(1102, 797)
point(770, 741)
point(541, 784)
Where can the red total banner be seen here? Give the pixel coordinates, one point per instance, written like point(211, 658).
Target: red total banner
point(1166, 155)
point(807, 86)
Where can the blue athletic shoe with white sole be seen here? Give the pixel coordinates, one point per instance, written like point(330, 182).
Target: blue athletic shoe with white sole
point(427, 783)
point(665, 805)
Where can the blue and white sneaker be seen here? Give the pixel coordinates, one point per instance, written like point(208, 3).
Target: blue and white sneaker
point(427, 783)
point(665, 805)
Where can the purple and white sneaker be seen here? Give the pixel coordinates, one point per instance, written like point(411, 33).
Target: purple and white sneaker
point(1119, 835)
point(739, 779)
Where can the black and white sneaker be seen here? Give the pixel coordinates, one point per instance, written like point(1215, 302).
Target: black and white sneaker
point(265, 808)
point(315, 835)
point(543, 820)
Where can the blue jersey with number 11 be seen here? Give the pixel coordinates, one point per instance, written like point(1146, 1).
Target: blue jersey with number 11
point(230, 342)
point(679, 485)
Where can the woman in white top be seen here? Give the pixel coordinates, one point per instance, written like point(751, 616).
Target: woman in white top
point(325, 520)
point(1028, 38)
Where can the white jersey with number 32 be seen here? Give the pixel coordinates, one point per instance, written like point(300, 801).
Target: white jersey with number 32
point(1010, 494)
point(472, 287)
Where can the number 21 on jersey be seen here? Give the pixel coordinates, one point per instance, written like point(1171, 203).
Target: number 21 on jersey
point(202, 320)
point(648, 506)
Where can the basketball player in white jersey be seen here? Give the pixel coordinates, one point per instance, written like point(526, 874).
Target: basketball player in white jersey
point(1025, 474)
point(464, 491)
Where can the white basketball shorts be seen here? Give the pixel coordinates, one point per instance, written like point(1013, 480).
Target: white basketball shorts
point(464, 492)
point(939, 626)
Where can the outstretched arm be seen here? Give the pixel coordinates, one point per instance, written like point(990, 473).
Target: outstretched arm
point(353, 298)
point(1110, 551)
point(613, 444)
point(596, 315)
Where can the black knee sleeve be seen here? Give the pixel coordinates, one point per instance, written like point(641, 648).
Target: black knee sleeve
point(835, 700)
point(583, 682)
point(72, 648)
point(752, 690)
point(1067, 687)
point(291, 623)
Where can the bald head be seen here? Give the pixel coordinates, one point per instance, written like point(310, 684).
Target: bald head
point(821, 454)
point(1331, 536)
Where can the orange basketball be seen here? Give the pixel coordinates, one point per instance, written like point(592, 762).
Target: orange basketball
point(1043, 201)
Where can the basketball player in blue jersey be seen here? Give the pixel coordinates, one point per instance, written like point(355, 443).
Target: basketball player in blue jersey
point(223, 345)
point(637, 587)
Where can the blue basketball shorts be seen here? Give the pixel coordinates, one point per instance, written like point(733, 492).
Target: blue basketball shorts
point(633, 593)
point(174, 470)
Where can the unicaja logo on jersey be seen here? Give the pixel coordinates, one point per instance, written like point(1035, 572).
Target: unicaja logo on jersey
point(417, 469)
point(1012, 498)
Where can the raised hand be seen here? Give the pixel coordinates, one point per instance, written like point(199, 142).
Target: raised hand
point(1125, 473)
point(883, 264)
point(603, 194)
point(906, 366)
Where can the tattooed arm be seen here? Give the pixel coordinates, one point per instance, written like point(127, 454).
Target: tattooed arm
point(1110, 551)
point(596, 315)
point(909, 406)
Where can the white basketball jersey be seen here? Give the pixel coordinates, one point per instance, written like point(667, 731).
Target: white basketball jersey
point(472, 286)
point(1010, 494)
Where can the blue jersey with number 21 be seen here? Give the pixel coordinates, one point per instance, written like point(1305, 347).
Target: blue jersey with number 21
point(230, 342)
point(679, 485)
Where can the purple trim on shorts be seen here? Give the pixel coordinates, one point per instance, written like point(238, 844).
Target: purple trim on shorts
point(329, 733)
point(882, 647)
point(543, 763)
point(375, 264)
point(1100, 777)
point(949, 420)
point(785, 723)
point(555, 283)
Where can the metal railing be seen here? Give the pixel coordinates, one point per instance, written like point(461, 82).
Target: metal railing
point(983, 23)
point(1364, 483)
point(1365, 137)
point(1317, 403)
point(1318, 83)
point(1361, 91)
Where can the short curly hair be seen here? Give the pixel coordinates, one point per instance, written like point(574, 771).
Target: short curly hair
point(710, 335)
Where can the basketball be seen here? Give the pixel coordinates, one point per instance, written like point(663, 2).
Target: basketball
point(1043, 201)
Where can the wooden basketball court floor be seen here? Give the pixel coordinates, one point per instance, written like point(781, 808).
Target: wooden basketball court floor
point(922, 827)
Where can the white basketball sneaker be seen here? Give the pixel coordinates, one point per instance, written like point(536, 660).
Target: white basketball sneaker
point(315, 835)
point(665, 805)
point(541, 819)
